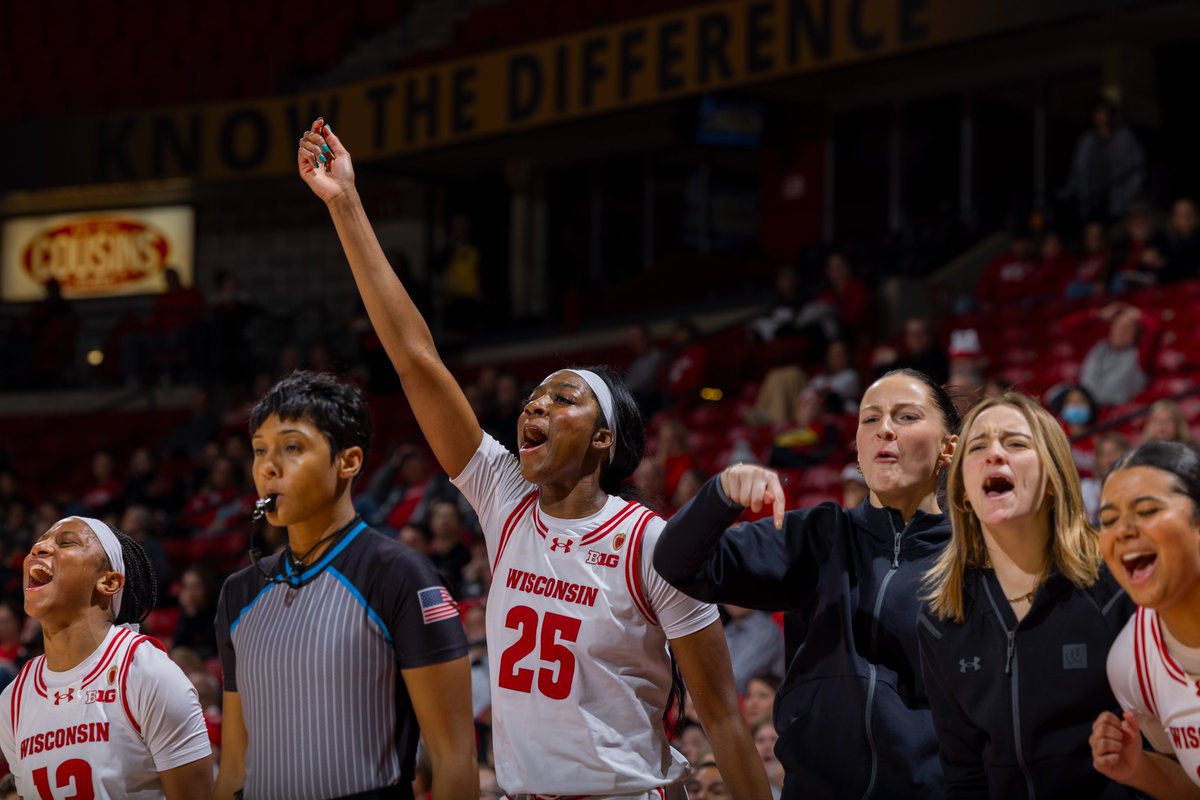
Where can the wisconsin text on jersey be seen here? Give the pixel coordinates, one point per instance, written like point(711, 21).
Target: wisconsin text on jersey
point(522, 581)
point(64, 737)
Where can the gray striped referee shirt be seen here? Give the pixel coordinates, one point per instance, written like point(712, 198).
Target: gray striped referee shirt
point(317, 663)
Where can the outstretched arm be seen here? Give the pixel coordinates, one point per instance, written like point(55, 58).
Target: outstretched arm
point(438, 402)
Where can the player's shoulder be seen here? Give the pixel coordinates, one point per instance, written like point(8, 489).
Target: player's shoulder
point(1122, 652)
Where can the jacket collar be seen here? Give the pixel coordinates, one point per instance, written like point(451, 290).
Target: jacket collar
point(881, 524)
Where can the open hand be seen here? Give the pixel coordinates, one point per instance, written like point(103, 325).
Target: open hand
point(324, 163)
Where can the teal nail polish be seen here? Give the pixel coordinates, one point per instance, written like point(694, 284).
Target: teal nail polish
point(322, 159)
point(325, 149)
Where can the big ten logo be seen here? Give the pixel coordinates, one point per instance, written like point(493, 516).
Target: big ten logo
point(603, 559)
point(99, 696)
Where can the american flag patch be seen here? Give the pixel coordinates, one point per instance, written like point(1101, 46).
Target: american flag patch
point(436, 604)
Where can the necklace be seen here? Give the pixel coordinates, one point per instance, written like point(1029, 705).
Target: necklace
point(298, 561)
point(1027, 596)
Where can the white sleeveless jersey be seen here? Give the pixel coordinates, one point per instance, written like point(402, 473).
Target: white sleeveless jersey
point(1147, 679)
point(577, 630)
point(104, 729)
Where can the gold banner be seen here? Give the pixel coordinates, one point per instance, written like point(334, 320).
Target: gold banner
point(711, 47)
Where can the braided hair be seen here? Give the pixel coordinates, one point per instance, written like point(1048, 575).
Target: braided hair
point(141, 587)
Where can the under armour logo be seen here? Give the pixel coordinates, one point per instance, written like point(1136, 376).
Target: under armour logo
point(964, 665)
point(66, 696)
point(556, 543)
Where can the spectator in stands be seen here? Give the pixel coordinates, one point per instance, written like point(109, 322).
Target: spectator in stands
point(815, 436)
point(460, 276)
point(783, 316)
point(776, 400)
point(476, 573)
point(644, 377)
point(197, 610)
point(200, 428)
point(220, 503)
point(446, 549)
point(101, 495)
point(765, 738)
point(228, 317)
point(839, 377)
point(1137, 257)
point(416, 536)
point(706, 783)
point(505, 410)
point(1109, 449)
point(1056, 266)
point(687, 371)
point(1090, 274)
point(1108, 167)
point(1115, 369)
point(168, 345)
point(1181, 249)
point(1077, 410)
point(149, 484)
point(1022, 575)
point(692, 742)
point(854, 486)
point(755, 645)
point(138, 524)
point(826, 566)
point(396, 494)
point(648, 481)
point(1165, 423)
point(13, 652)
point(674, 453)
point(759, 697)
point(921, 353)
point(45, 339)
point(474, 619)
point(688, 485)
point(840, 309)
point(967, 365)
point(1013, 277)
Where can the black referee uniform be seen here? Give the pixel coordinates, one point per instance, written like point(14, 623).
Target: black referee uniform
point(316, 662)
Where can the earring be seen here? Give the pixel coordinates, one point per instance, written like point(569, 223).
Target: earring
point(858, 468)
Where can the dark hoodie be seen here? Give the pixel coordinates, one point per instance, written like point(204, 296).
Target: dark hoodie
point(852, 715)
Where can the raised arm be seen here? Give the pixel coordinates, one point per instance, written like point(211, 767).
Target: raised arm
point(438, 402)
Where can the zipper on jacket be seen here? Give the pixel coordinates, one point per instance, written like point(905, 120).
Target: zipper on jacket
point(897, 534)
point(1010, 669)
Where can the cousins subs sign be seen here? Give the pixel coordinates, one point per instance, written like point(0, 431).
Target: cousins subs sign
point(96, 254)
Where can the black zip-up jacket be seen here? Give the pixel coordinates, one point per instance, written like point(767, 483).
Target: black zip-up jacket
point(1014, 701)
point(852, 716)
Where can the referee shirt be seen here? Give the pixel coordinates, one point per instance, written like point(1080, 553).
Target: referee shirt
point(316, 662)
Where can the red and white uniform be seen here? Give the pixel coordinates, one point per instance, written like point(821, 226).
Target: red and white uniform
point(577, 630)
point(104, 729)
point(1158, 678)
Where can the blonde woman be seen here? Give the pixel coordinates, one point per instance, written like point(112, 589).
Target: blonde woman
point(1165, 423)
point(1020, 614)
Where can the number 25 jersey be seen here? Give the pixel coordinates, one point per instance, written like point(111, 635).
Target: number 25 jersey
point(577, 630)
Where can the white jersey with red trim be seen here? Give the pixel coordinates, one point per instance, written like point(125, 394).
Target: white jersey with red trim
point(1147, 679)
point(577, 630)
point(104, 729)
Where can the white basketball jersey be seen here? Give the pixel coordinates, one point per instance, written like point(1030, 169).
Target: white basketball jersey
point(1146, 678)
point(577, 630)
point(104, 729)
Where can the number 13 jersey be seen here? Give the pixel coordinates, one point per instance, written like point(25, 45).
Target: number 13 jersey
point(577, 629)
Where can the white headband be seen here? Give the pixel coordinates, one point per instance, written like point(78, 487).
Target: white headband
point(603, 397)
point(112, 548)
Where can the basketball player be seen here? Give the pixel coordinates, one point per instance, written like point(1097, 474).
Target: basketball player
point(104, 713)
point(1150, 538)
point(577, 619)
point(340, 650)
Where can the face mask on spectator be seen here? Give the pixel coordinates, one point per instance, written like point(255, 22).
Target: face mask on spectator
point(1076, 415)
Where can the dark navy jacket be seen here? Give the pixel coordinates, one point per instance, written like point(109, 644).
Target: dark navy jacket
point(852, 716)
point(1014, 702)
